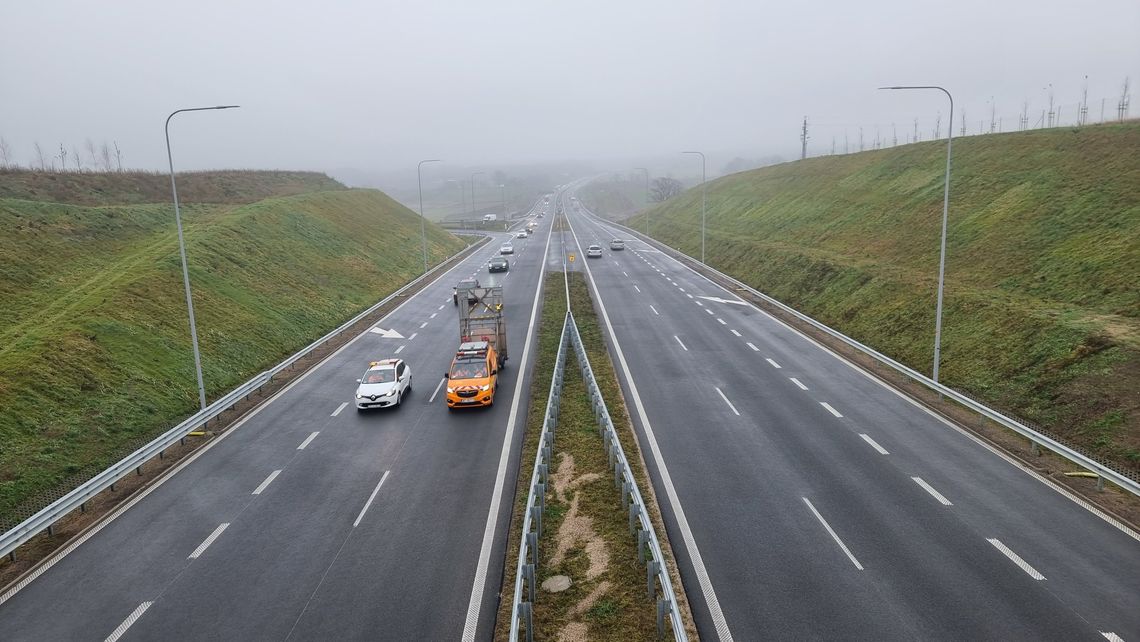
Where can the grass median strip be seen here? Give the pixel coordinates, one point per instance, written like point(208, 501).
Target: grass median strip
point(585, 533)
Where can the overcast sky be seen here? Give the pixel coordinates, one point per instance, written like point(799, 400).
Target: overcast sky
point(378, 85)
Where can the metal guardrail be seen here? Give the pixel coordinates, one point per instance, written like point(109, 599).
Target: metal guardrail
point(1035, 438)
point(45, 518)
point(648, 546)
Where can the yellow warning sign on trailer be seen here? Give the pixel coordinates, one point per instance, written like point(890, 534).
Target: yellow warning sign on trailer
point(571, 257)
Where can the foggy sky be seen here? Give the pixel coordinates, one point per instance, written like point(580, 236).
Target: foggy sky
point(380, 85)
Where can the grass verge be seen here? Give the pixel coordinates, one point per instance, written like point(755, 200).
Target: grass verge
point(586, 533)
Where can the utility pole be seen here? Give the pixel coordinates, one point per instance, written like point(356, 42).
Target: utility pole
point(963, 123)
point(916, 130)
point(846, 149)
point(1051, 112)
point(1124, 104)
point(1023, 122)
point(804, 140)
point(938, 126)
point(1083, 113)
point(877, 145)
point(993, 111)
point(894, 136)
point(860, 139)
point(833, 145)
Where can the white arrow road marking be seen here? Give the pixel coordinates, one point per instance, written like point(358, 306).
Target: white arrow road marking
point(387, 334)
point(720, 300)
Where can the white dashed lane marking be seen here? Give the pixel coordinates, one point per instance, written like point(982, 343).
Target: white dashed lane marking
point(874, 444)
point(930, 489)
point(1016, 559)
point(774, 364)
point(797, 382)
point(308, 440)
point(654, 310)
point(753, 346)
point(679, 341)
point(830, 409)
point(732, 407)
point(338, 409)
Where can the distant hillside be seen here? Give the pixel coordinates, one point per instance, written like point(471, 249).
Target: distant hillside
point(128, 188)
point(94, 347)
point(1042, 298)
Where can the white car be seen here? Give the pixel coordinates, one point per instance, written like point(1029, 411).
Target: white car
point(594, 252)
point(617, 244)
point(384, 384)
point(506, 248)
point(521, 234)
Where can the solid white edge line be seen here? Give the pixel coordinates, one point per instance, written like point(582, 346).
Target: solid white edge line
point(1009, 459)
point(1015, 558)
point(695, 558)
point(773, 363)
point(131, 619)
point(874, 444)
point(209, 540)
point(933, 493)
point(338, 409)
point(437, 387)
point(797, 382)
point(308, 440)
point(721, 393)
point(679, 341)
point(830, 409)
point(370, 498)
point(471, 624)
point(265, 484)
point(833, 535)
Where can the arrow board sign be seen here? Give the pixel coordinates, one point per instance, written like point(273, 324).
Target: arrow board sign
point(720, 300)
point(387, 334)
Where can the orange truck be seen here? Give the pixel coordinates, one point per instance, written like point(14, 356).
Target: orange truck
point(482, 354)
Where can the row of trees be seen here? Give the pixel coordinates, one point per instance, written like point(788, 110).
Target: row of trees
point(104, 157)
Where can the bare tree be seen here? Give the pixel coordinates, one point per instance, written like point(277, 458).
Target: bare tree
point(89, 147)
point(664, 189)
point(40, 156)
point(5, 153)
point(62, 157)
point(105, 156)
point(77, 157)
point(118, 157)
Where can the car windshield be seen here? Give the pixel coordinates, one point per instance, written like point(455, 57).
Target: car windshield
point(469, 369)
point(387, 375)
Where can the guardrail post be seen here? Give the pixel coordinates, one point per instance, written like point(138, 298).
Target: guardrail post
point(1099, 482)
point(532, 544)
point(51, 530)
point(528, 576)
point(651, 572)
point(624, 494)
point(526, 608)
point(642, 538)
point(1034, 448)
point(617, 475)
point(634, 511)
point(663, 607)
point(536, 516)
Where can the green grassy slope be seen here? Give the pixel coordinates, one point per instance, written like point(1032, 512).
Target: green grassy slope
point(121, 188)
point(94, 342)
point(1042, 300)
point(614, 197)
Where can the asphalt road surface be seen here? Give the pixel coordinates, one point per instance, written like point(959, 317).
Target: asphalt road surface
point(804, 499)
point(312, 521)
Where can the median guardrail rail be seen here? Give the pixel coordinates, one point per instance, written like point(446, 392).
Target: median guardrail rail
point(45, 518)
point(1036, 438)
point(658, 585)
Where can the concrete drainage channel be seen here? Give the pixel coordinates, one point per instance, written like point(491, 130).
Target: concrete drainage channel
point(659, 594)
point(70, 515)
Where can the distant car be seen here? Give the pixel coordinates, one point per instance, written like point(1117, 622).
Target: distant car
point(498, 264)
point(594, 252)
point(529, 230)
point(506, 248)
point(466, 285)
point(384, 384)
point(617, 244)
point(521, 234)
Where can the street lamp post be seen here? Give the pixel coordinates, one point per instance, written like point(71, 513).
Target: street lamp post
point(423, 223)
point(473, 175)
point(503, 195)
point(646, 170)
point(945, 216)
point(702, 203)
point(182, 252)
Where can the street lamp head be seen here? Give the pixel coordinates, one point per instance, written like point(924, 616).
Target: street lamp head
point(227, 107)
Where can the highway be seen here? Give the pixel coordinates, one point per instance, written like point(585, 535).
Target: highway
point(804, 499)
point(310, 521)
